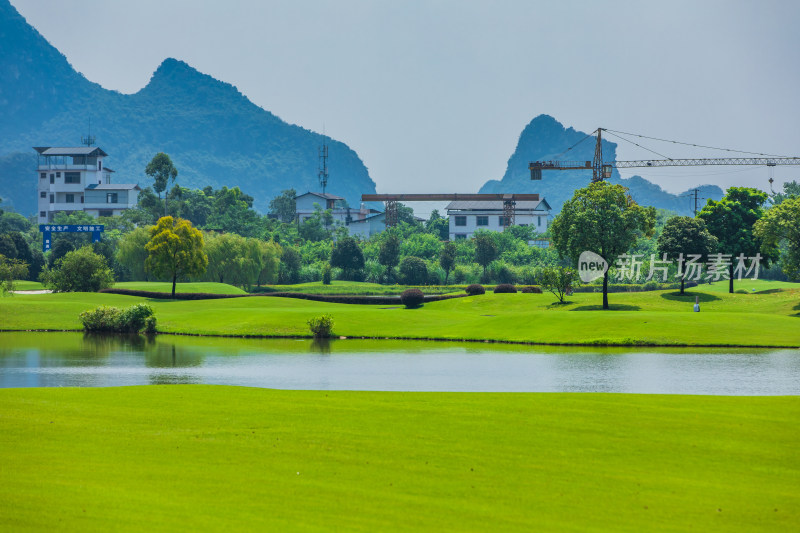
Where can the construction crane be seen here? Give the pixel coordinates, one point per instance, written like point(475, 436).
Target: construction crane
point(509, 202)
point(602, 170)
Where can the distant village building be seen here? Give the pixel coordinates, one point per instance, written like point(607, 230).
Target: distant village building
point(466, 217)
point(74, 179)
point(363, 221)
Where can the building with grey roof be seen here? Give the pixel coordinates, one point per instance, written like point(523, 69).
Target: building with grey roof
point(467, 217)
point(75, 178)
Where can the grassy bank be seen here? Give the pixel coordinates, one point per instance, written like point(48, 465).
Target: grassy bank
point(197, 457)
point(770, 316)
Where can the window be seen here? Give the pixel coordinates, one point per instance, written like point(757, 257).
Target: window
point(52, 198)
point(502, 221)
point(461, 236)
point(43, 175)
point(100, 165)
point(42, 214)
point(106, 213)
point(72, 177)
point(43, 194)
point(52, 178)
point(70, 199)
point(539, 220)
point(111, 198)
point(461, 221)
point(482, 220)
point(58, 174)
point(81, 198)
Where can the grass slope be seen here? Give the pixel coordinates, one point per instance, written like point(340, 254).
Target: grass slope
point(166, 287)
point(204, 457)
point(767, 317)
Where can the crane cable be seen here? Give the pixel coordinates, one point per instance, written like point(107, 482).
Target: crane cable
point(692, 144)
point(639, 145)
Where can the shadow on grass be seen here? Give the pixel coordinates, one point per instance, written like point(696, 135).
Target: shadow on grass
point(796, 308)
point(688, 297)
point(768, 291)
point(558, 305)
point(611, 307)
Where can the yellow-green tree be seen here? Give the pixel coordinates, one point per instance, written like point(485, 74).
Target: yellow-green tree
point(175, 250)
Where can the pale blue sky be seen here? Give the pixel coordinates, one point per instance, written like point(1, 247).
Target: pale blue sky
point(433, 95)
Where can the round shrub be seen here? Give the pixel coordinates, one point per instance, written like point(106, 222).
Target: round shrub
point(412, 298)
point(321, 326)
point(532, 289)
point(505, 288)
point(475, 289)
point(326, 275)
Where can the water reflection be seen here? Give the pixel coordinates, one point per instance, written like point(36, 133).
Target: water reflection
point(73, 359)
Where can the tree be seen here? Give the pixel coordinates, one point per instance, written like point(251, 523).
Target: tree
point(438, 225)
point(161, 169)
point(731, 221)
point(347, 255)
point(686, 236)
point(266, 257)
point(284, 206)
point(175, 250)
point(10, 271)
point(132, 254)
point(601, 218)
point(781, 224)
point(558, 280)
point(447, 259)
point(413, 271)
point(791, 189)
point(485, 249)
point(291, 261)
point(80, 270)
point(389, 254)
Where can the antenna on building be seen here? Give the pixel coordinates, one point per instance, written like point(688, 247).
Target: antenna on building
point(89, 139)
point(323, 162)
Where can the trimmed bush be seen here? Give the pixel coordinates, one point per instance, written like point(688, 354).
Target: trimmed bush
point(475, 289)
point(412, 298)
point(321, 326)
point(532, 289)
point(505, 288)
point(113, 319)
point(326, 275)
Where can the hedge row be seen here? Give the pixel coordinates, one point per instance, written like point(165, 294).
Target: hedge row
point(330, 298)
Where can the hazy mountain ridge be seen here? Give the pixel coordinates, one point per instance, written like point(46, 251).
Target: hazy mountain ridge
point(214, 134)
point(544, 138)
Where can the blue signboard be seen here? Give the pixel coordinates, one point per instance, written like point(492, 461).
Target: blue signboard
point(48, 229)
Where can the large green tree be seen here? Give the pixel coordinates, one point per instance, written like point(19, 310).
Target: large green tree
point(447, 259)
point(80, 270)
point(731, 221)
point(686, 236)
point(485, 249)
point(132, 254)
point(389, 254)
point(601, 218)
point(175, 250)
point(781, 225)
point(161, 169)
point(347, 255)
point(284, 206)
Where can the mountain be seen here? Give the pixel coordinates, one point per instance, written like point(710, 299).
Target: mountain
point(213, 133)
point(544, 138)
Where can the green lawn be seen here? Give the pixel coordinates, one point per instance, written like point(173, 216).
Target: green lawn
point(163, 286)
point(768, 317)
point(361, 288)
point(209, 457)
point(24, 285)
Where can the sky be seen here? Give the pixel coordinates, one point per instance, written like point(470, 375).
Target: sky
point(433, 95)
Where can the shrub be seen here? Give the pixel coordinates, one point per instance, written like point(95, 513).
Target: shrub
point(81, 270)
point(413, 271)
point(504, 288)
point(475, 289)
point(131, 320)
point(558, 280)
point(326, 275)
point(532, 289)
point(459, 275)
point(650, 286)
point(502, 273)
point(321, 326)
point(412, 298)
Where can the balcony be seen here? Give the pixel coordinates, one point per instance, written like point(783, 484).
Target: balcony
point(58, 166)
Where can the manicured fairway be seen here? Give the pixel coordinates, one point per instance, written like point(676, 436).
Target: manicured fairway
point(768, 316)
point(161, 286)
point(199, 457)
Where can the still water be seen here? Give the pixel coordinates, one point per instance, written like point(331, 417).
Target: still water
point(78, 360)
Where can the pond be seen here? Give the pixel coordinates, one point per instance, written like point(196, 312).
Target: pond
point(75, 359)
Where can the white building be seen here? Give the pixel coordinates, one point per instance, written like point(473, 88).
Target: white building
point(76, 179)
point(363, 221)
point(466, 217)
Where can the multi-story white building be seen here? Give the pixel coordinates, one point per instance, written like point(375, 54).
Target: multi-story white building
point(76, 179)
point(466, 217)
